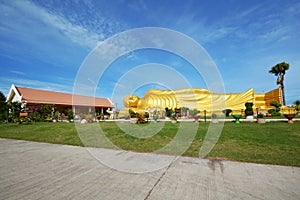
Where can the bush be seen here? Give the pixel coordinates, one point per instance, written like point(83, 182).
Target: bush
point(56, 115)
point(88, 117)
point(274, 112)
point(194, 112)
point(227, 112)
point(169, 112)
point(45, 111)
point(70, 114)
point(249, 110)
point(275, 104)
point(146, 115)
point(297, 105)
point(132, 114)
point(260, 115)
point(102, 116)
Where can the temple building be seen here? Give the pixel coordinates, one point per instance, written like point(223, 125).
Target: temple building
point(62, 102)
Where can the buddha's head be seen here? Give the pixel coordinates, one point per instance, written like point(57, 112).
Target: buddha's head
point(131, 101)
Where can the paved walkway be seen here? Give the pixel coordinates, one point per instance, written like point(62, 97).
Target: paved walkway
point(31, 170)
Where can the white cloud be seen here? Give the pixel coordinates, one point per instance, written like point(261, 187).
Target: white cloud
point(137, 5)
point(38, 16)
point(18, 72)
point(217, 33)
point(31, 83)
point(75, 33)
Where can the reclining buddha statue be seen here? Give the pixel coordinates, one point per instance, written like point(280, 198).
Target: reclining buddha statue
point(198, 98)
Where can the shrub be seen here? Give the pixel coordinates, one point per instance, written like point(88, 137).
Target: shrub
point(45, 111)
point(82, 116)
point(169, 112)
point(275, 104)
point(102, 116)
point(88, 117)
point(260, 115)
point(297, 105)
point(132, 114)
point(141, 117)
point(56, 115)
point(249, 110)
point(70, 114)
point(275, 111)
point(227, 112)
point(194, 112)
point(15, 109)
point(146, 115)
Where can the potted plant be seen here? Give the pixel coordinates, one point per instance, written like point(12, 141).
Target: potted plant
point(260, 118)
point(237, 118)
point(289, 113)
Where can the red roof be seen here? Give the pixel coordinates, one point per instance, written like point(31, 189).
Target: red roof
point(30, 95)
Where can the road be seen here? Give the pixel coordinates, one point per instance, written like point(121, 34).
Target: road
point(32, 170)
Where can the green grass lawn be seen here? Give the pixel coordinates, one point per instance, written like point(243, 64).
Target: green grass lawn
point(270, 143)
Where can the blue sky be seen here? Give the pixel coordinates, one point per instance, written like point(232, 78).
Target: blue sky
point(44, 43)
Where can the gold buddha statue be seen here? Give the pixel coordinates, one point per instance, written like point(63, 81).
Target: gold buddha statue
point(198, 98)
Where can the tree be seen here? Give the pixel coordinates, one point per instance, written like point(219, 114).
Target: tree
point(3, 107)
point(279, 71)
point(2, 97)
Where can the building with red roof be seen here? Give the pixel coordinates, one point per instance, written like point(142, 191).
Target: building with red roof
point(61, 101)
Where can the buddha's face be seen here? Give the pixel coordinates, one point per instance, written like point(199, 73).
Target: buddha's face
point(131, 101)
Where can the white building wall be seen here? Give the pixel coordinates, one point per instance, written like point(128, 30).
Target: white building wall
point(13, 95)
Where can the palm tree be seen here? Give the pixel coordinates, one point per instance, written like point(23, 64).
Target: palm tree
point(279, 71)
point(297, 103)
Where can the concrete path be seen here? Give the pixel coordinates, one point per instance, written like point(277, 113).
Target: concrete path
point(31, 170)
